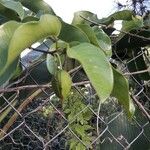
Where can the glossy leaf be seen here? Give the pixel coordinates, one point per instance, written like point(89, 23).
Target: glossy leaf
point(104, 40)
point(51, 64)
point(61, 84)
point(7, 15)
point(12, 5)
point(121, 92)
point(59, 46)
point(6, 32)
point(18, 71)
point(80, 15)
point(96, 66)
point(120, 15)
point(66, 83)
point(89, 32)
point(133, 24)
point(30, 18)
point(25, 35)
point(97, 37)
point(70, 33)
point(128, 26)
point(37, 6)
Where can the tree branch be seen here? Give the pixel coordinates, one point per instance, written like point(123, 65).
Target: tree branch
point(140, 107)
point(75, 69)
point(19, 88)
point(6, 90)
point(43, 51)
point(19, 110)
point(105, 26)
point(137, 72)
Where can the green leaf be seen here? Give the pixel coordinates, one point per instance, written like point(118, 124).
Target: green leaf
point(73, 144)
point(80, 15)
point(14, 6)
point(80, 130)
point(80, 146)
point(87, 127)
point(89, 32)
point(24, 36)
point(104, 40)
point(7, 30)
point(51, 64)
point(59, 46)
point(37, 6)
point(121, 92)
point(61, 84)
point(65, 84)
point(120, 15)
point(96, 66)
point(70, 33)
point(18, 71)
point(97, 37)
point(30, 18)
point(7, 14)
point(133, 24)
point(128, 26)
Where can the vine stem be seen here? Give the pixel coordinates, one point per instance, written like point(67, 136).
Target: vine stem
point(19, 110)
point(137, 72)
point(60, 64)
point(141, 107)
point(6, 90)
point(19, 88)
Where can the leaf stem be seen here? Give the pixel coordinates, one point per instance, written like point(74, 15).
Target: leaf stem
point(59, 60)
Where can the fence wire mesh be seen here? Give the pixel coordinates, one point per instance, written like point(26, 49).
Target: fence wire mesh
point(37, 121)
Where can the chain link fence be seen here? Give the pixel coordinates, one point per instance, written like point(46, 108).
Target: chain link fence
point(32, 117)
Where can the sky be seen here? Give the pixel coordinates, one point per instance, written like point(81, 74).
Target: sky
point(66, 8)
